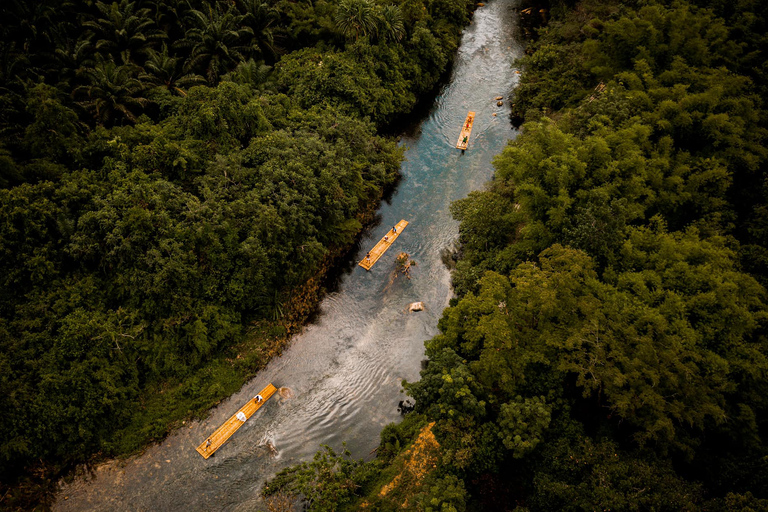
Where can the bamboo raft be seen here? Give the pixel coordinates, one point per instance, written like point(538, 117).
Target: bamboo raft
point(380, 248)
point(231, 426)
point(466, 131)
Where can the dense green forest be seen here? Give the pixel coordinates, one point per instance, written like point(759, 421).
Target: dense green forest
point(607, 348)
point(174, 177)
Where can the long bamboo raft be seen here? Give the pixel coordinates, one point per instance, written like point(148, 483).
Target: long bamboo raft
point(466, 131)
point(231, 426)
point(380, 248)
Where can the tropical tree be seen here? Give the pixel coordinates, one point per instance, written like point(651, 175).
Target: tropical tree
point(14, 65)
point(259, 16)
point(112, 93)
point(54, 129)
point(216, 40)
point(74, 57)
point(168, 14)
point(326, 483)
point(356, 17)
point(27, 22)
point(123, 30)
point(9, 173)
point(390, 23)
point(161, 71)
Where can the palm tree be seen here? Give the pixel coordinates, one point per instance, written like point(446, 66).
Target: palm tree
point(113, 93)
point(162, 71)
point(73, 57)
point(168, 14)
point(356, 17)
point(26, 22)
point(13, 62)
point(216, 40)
point(391, 23)
point(124, 30)
point(258, 15)
point(29, 25)
point(272, 306)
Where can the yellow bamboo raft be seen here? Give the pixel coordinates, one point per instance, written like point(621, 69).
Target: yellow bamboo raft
point(380, 248)
point(466, 131)
point(224, 432)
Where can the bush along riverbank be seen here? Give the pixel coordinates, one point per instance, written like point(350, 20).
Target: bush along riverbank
point(608, 345)
point(174, 182)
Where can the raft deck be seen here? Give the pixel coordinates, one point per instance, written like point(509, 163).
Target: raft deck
point(231, 426)
point(380, 248)
point(466, 131)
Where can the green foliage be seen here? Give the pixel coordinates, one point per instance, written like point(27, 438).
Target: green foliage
point(446, 494)
point(646, 354)
point(123, 30)
point(356, 17)
point(165, 73)
point(224, 118)
point(521, 424)
point(327, 483)
point(162, 189)
point(54, 132)
point(743, 502)
point(589, 475)
point(215, 40)
point(113, 93)
point(391, 24)
point(396, 436)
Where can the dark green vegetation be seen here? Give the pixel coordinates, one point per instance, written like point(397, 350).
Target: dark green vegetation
point(608, 346)
point(171, 176)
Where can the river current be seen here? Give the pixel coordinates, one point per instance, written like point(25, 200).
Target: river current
point(345, 370)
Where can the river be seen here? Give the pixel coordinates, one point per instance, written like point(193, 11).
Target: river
point(345, 369)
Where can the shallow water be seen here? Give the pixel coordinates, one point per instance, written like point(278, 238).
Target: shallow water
point(344, 371)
